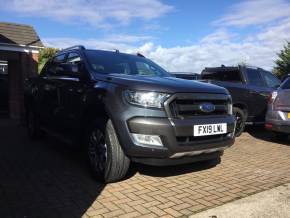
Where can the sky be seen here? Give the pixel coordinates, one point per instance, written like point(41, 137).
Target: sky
point(180, 35)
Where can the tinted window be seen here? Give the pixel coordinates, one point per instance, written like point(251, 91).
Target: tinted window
point(73, 58)
point(254, 77)
point(286, 84)
point(51, 67)
point(146, 69)
point(103, 62)
point(270, 79)
point(59, 58)
point(223, 75)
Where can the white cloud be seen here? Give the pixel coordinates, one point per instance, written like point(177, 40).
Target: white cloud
point(100, 13)
point(121, 38)
point(253, 12)
point(270, 19)
point(214, 50)
point(220, 35)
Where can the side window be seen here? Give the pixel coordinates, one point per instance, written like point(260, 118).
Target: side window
point(210, 75)
point(230, 76)
point(271, 80)
point(223, 75)
point(286, 84)
point(254, 77)
point(122, 68)
point(59, 58)
point(54, 63)
point(73, 58)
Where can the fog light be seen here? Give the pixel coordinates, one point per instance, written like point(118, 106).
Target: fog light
point(147, 139)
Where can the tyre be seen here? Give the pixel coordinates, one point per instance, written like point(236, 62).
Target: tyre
point(281, 135)
point(106, 156)
point(33, 126)
point(240, 121)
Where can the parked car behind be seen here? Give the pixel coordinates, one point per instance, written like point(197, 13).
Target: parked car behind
point(249, 87)
point(125, 108)
point(189, 76)
point(278, 114)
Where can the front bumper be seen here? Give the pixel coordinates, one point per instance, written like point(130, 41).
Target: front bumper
point(177, 136)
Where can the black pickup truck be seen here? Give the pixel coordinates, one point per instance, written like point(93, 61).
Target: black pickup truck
point(250, 88)
point(124, 108)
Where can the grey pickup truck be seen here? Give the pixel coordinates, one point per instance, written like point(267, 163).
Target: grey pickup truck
point(124, 108)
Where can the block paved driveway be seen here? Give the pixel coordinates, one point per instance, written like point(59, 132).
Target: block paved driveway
point(47, 179)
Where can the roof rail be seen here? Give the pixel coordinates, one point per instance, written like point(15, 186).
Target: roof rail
point(140, 55)
point(80, 47)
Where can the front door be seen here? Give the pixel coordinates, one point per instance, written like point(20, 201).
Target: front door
point(71, 89)
point(258, 93)
point(49, 96)
point(3, 87)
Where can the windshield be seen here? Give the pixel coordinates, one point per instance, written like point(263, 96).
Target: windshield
point(104, 62)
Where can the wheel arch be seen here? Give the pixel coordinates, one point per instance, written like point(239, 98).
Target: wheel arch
point(242, 106)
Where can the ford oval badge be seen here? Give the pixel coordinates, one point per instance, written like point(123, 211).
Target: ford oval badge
point(207, 107)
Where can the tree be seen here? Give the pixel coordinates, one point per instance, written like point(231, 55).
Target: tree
point(282, 67)
point(44, 55)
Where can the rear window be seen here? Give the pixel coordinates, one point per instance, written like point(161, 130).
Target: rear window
point(286, 84)
point(224, 75)
point(254, 77)
point(271, 80)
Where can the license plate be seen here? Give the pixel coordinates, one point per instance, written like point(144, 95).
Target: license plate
point(209, 129)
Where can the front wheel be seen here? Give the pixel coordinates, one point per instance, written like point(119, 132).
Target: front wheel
point(106, 156)
point(240, 121)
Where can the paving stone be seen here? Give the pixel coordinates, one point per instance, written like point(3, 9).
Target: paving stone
point(48, 179)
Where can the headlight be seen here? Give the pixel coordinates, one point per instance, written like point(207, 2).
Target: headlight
point(230, 106)
point(146, 99)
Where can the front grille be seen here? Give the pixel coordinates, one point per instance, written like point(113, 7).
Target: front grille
point(189, 107)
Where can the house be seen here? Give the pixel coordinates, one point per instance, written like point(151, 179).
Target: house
point(19, 51)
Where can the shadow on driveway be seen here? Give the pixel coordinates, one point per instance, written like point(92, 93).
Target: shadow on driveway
point(260, 132)
point(168, 171)
point(48, 179)
point(42, 179)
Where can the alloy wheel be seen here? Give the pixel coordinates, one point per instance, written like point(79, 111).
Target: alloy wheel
point(239, 122)
point(97, 151)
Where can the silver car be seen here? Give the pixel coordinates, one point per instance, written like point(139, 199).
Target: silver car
point(278, 114)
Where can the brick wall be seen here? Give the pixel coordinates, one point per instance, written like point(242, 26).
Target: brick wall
point(19, 70)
